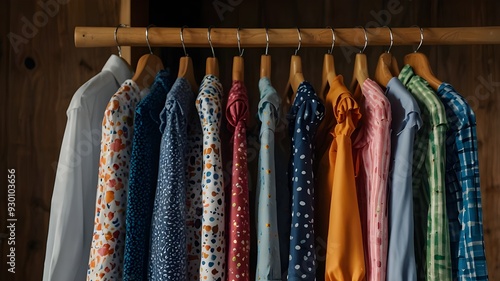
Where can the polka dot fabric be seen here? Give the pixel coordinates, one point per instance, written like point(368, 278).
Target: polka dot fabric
point(143, 178)
point(108, 240)
point(168, 254)
point(238, 259)
point(304, 117)
point(213, 244)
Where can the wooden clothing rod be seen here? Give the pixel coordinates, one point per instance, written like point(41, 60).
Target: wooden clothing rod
point(283, 37)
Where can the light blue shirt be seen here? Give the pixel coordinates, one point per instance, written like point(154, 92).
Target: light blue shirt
point(268, 248)
point(405, 123)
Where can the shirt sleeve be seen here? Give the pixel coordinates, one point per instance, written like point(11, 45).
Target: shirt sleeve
point(67, 236)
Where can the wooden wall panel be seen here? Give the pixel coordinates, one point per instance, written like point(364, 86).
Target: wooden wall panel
point(43, 75)
point(4, 78)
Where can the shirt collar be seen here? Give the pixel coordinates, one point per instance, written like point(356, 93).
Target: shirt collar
point(337, 88)
point(406, 74)
point(446, 87)
point(268, 93)
point(395, 85)
point(118, 67)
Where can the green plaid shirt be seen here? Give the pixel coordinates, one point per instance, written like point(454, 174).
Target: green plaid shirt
point(432, 240)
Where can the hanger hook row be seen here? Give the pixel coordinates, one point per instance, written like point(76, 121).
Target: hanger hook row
point(239, 42)
point(421, 38)
point(116, 38)
point(392, 39)
point(210, 40)
point(182, 40)
point(267, 40)
point(300, 41)
point(366, 39)
point(147, 38)
point(333, 39)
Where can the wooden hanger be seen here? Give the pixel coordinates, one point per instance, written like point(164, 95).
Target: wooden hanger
point(383, 72)
point(360, 73)
point(238, 62)
point(296, 77)
point(394, 67)
point(329, 73)
point(422, 67)
point(265, 60)
point(186, 69)
point(420, 64)
point(238, 69)
point(212, 67)
point(147, 67)
point(265, 66)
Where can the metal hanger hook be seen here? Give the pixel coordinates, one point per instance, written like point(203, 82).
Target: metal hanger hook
point(392, 39)
point(182, 41)
point(116, 38)
point(267, 40)
point(147, 38)
point(239, 43)
point(300, 41)
point(366, 39)
point(210, 40)
point(333, 40)
point(421, 38)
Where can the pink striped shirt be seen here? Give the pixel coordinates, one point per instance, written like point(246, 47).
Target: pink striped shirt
point(372, 149)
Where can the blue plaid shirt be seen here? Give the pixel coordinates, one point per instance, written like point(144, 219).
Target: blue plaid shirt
point(463, 189)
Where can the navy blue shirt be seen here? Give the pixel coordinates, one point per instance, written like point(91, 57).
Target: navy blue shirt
point(168, 253)
point(304, 117)
point(143, 177)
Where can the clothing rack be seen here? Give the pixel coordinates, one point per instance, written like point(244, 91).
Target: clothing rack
point(283, 37)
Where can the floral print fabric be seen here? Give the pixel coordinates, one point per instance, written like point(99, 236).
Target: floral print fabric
point(108, 240)
point(194, 206)
point(213, 243)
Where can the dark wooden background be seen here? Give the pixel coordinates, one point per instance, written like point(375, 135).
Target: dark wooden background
point(38, 81)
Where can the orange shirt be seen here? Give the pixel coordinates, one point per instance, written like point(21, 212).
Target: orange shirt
point(338, 217)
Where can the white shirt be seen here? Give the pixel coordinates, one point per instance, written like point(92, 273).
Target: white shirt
point(73, 199)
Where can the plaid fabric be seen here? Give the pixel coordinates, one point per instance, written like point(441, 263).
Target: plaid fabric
point(433, 260)
point(463, 189)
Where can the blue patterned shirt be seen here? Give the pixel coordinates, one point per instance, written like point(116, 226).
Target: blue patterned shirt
point(304, 117)
point(143, 177)
point(268, 247)
point(463, 196)
point(168, 252)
